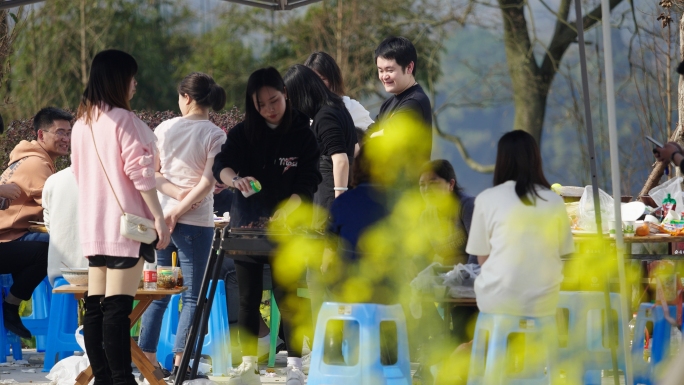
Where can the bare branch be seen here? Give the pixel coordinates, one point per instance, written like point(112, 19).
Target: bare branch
point(473, 164)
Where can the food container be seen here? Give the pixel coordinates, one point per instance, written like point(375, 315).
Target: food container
point(76, 277)
point(166, 277)
point(179, 276)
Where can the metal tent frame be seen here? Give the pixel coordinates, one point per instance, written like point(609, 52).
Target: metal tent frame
point(614, 170)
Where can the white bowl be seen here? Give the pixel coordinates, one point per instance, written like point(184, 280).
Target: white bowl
point(76, 277)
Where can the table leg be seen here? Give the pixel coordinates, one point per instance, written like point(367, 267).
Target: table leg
point(85, 376)
point(138, 310)
point(447, 318)
point(153, 374)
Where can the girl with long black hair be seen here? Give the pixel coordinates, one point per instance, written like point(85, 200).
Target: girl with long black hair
point(335, 133)
point(520, 231)
point(275, 147)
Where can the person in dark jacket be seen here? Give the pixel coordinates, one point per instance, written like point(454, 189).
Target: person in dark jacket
point(397, 63)
point(275, 147)
point(333, 127)
point(335, 133)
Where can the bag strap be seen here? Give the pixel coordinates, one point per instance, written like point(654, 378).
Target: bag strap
point(105, 171)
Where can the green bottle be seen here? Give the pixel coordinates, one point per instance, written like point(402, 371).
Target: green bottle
point(668, 204)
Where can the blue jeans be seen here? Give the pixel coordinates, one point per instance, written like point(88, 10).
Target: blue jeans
point(38, 237)
point(193, 245)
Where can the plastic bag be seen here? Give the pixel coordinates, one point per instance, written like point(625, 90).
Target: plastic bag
point(462, 275)
point(587, 216)
point(65, 371)
point(199, 381)
point(672, 187)
point(425, 280)
point(461, 280)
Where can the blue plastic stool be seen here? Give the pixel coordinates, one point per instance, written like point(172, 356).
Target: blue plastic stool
point(39, 319)
point(362, 335)
point(490, 355)
point(9, 341)
point(644, 372)
point(587, 351)
point(216, 341)
point(60, 335)
point(37, 322)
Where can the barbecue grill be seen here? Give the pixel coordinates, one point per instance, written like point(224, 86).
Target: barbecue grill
point(256, 244)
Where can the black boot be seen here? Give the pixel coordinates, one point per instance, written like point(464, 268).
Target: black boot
point(93, 335)
point(10, 315)
point(117, 340)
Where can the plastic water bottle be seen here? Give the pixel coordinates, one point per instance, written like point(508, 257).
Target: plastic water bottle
point(150, 276)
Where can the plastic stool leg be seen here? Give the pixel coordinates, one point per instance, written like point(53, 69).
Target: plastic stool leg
point(275, 328)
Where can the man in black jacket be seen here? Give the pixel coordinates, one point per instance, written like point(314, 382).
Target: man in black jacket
point(397, 61)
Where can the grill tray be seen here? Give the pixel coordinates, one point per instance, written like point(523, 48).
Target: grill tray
point(254, 244)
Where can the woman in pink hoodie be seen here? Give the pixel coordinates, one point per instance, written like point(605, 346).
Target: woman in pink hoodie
point(113, 156)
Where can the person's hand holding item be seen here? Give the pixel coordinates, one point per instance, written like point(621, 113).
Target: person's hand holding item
point(10, 191)
point(243, 185)
point(667, 152)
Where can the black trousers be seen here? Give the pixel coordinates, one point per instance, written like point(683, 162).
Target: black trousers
point(27, 262)
point(250, 285)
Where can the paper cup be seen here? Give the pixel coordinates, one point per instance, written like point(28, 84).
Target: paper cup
point(628, 228)
point(611, 228)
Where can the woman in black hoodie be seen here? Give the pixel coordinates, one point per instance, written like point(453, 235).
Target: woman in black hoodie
point(275, 147)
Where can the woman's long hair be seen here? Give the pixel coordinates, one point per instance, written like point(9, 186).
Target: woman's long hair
point(255, 124)
point(327, 67)
point(307, 91)
point(518, 159)
point(108, 85)
point(443, 169)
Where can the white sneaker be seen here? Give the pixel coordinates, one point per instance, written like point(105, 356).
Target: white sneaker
point(306, 363)
point(295, 376)
point(264, 347)
point(245, 374)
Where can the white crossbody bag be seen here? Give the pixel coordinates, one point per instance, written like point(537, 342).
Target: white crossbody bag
point(131, 226)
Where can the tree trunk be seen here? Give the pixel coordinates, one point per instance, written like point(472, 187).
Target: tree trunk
point(530, 87)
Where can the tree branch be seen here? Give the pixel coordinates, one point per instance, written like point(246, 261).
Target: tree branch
point(473, 164)
point(564, 36)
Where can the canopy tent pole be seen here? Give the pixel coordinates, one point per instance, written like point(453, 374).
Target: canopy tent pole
point(594, 183)
point(615, 178)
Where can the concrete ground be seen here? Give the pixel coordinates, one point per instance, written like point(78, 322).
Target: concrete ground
point(29, 371)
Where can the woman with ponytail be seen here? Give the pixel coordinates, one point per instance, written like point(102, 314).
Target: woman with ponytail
point(519, 233)
point(187, 146)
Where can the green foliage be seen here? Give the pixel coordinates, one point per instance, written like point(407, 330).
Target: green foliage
point(351, 30)
point(53, 53)
point(222, 54)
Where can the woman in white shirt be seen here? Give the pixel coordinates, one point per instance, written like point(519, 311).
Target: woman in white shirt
point(187, 147)
point(520, 231)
